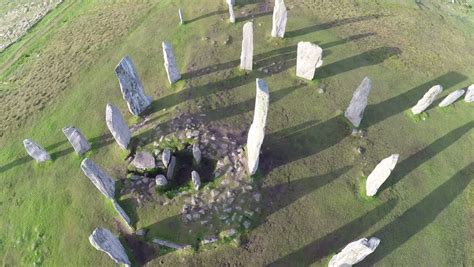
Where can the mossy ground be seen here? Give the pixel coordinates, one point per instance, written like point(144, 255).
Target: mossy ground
point(310, 172)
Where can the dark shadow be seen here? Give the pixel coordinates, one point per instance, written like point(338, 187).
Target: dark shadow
point(336, 240)
point(378, 112)
point(416, 218)
point(253, 16)
point(214, 13)
point(415, 160)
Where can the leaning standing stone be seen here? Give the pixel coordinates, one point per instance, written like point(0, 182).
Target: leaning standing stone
point(99, 178)
point(380, 174)
point(131, 86)
point(196, 179)
point(354, 252)
point(257, 129)
point(280, 17)
point(469, 94)
point(36, 151)
point(196, 153)
point(181, 18)
point(355, 111)
point(117, 126)
point(451, 98)
point(122, 214)
point(246, 57)
point(170, 63)
point(103, 240)
point(77, 140)
point(309, 58)
point(427, 99)
point(230, 4)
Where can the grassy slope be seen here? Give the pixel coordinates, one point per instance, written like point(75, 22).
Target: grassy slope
point(421, 218)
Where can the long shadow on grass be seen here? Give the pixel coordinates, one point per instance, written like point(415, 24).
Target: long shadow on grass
point(425, 154)
point(416, 218)
point(214, 13)
point(378, 112)
point(337, 239)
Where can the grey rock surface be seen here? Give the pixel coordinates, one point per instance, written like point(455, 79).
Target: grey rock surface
point(160, 180)
point(103, 240)
point(354, 252)
point(355, 111)
point(197, 155)
point(144, 161)
point(166, 157)
point(380, 174)
point(117, 126)
point(469, 97)
point(171, 167)
point(280, 17)
point(246, 56)
point(122, 214)
point(77, 140)
point(427, 99)
point(181, 17)
point(196, 179)
point(35, 151)
point(451, 98)
point(169, 244)
point(170, 63)
point(131, 87)
point(308, 59)
point(99, 178)
point(231, 12)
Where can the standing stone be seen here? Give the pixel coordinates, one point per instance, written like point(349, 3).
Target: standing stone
point(380, 174)
point(257, 129)
point(166, 157)
point(77, 140)
point(181, 17)
point(160, 180)
point(469, 98)
point(280, 17)
point(99, 178)
point(309, 58)
point(36, 151)
point(170, 63)
point(230, 4)
point(144, 161)
point(196, 179)
point(196, 153)
point(427, 99)
point(122, 214)
point(131, 87)
point(103, 240)
point(355, 111)
point(171, 166)
point(354, 252)
point(451, 98)
point(117, 126)
point(246, 57)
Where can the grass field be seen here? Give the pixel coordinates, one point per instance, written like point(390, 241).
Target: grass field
point(62, 73)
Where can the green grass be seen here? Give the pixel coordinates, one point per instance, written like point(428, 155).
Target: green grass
point(309, 173)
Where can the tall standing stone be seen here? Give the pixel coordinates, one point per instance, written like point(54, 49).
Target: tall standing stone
point(77, 140)
point(166, 157)
point(196, 179)
point(246, 57)
point(181, 17)
point(427, 99)
point(122, 214)
point(257, 129)
point(103, 240)
point(131, 87)
point(171, 167)
point(280, 17)
point(380, 174)
point(469, 94)
point(117, 126)
point(36, 151)
point(99, 178)
point(230, 4)
point(309, 58)
point(355, 111)
point(354, 252)
point(451, 98)
point(197, 155)
point(170, 63)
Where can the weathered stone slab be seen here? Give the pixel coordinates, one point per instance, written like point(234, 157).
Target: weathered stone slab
point(122, 214)
point(231, 11)
point(380, 174)
point(355, 111)
point(36, 151)
point(181, 17)
point(171, 167)
point(166, 157)
point(427, 99)
point(280, 17)
point(196, 179)
point(144, 161)
point(246, 57)
point(354, 252)
point(160, 180)
point(169, 244)
point(77, 140)
point(197, 155)
point(117, 126)
point(451, 98)
point(103, 240)
point(257, 129)
point(99, 178)
point(170, 63)
point(309, 58)
point(131, 87)
point(469, 98)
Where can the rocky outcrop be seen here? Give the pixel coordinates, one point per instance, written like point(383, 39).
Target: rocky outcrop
point(117, 126)
point(171, 67)
point(246, 56)
point(427, 99)
point(354, 252)
point(355, 111)
point(103, 240)
point(380, 174)
point(77, 140)
point(309, 58)
point(451, 98)
point(99, 178)
point(280, 17)
point(36, 151)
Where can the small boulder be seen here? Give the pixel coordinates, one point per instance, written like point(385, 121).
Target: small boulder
point(36, 151)
point(160, 180)
point(144, 161)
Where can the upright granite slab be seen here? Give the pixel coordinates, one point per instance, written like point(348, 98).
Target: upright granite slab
point(171, 67)
point(280, 17)
point(355, 111)
point(469, 98)
point(131, 87)
point(246, 56)
point(122, 214)
point(171, 167)
point(257, 129)
point(230, 4)
point(103, 240)
point(197, 155)
point(451, 98)
point(35, 151)
point(196, 178)
point(380, 174)
point(427, 99)
point(99, 178)
point(77, 140)
point(117, 126)
point(166, 157)
point(181, 17)
point(354, 252)
point(309, 58)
